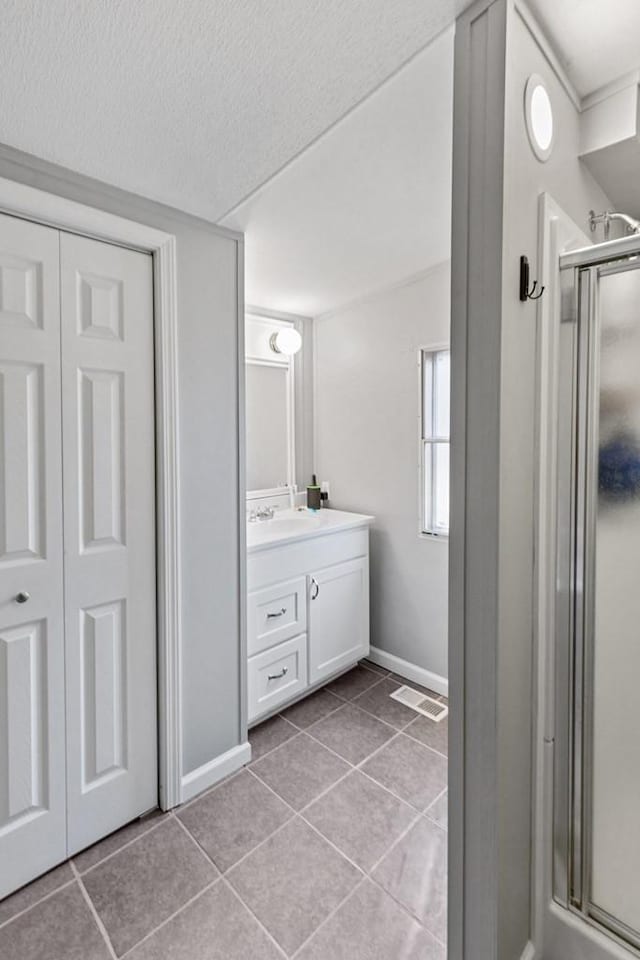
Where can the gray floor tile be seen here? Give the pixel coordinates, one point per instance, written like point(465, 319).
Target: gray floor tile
point(360, 818)
point(216, 926)
point(26, 897)
point(377, 701)
point(435, 735)
point(371, 926)
point(233, 819)
point(413, 772)
point(415, 873)
point(312, 708)
point(60, 928)
point(300, 770)
point(352, 733)
point(293, 882)
point(439, 811)
point(353, 683)
point(142, 885)
point(374, 667)
point(269, 735)
point(92, 855)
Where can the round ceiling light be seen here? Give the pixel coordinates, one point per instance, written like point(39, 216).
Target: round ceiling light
point(539, 117)
point(286, 341)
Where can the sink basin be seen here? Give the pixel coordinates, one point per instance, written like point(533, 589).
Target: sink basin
point(292, 523)
point(289, 525)
point(285, 523)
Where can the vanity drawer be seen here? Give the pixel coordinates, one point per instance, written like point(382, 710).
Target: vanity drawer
point(276, 613)
point(276, 675)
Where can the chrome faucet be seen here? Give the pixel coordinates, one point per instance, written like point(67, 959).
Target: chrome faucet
point(262, 513)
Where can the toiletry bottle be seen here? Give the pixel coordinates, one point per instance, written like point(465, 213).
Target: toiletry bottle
point(313, 494)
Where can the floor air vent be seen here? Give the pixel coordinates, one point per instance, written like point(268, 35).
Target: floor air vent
point(421, 703)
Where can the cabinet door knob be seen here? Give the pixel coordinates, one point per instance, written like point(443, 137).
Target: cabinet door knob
point(22, 597)
point(315, 588)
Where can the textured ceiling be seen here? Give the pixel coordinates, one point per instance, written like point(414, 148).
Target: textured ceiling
point(366, 206)
point(597, 41)
point(195, 103)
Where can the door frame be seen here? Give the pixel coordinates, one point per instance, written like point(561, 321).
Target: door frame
point(38, 206)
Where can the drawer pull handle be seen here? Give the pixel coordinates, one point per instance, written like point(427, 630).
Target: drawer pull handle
point(280, 613)
point(278, 676)
point(314, 586)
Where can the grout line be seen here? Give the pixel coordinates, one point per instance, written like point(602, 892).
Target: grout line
point(168, 919)
point(340, 703)
point(405, 909)
point(255, 917)
point(439, 797)
point(353, 766)
point(423, 744)
point(199, 848)
point(329, 917)
point(129, 843)
point(296, 731)
point(262, 842)
point(94, 912)
point(278, 747)
point(355, 704)
point(46, 896)
point(301, 813)
point(395, 843)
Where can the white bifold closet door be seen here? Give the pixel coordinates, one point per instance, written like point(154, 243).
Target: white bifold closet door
point(109, 543)
point(78, 741)
point(32, 679)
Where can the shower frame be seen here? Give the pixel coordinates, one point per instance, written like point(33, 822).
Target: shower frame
point(573, 662)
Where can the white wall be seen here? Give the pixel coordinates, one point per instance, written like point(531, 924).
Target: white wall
point(366, 388)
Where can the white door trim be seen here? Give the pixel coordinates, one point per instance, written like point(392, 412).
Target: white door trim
point(17, 199)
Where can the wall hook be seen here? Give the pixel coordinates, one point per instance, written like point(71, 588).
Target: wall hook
point(527, 293)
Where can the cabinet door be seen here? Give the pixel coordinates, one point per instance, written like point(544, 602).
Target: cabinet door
point(338, 617)
point(32, 752)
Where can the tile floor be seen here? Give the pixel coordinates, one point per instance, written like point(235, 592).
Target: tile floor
point(330, 845)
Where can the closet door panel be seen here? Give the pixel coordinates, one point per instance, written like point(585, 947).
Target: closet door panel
point(109, 529)
point(32, 734)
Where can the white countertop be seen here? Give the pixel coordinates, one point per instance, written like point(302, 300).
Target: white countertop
point(290, 525)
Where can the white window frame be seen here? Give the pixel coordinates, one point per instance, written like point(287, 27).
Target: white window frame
point(427, 441)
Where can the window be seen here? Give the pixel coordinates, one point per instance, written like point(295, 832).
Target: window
point(436, 379)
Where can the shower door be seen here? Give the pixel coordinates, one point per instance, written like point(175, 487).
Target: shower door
point(597, 772)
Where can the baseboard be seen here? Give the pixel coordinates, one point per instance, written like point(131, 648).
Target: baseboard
point(409, 671)
point(210, 773)
point(529, 952)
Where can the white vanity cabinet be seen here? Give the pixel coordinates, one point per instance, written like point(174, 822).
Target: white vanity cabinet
point(307, 605)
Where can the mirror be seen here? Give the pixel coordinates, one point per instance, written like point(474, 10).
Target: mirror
point(269, 409)
point(267, 456)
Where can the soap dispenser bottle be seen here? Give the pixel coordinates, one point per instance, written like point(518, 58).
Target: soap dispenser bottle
point(313, 494)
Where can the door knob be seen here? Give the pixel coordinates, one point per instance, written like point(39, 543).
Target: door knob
point(22, 597)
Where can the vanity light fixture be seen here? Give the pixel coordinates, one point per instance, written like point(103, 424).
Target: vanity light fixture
point(538, 115)
point(286, 341)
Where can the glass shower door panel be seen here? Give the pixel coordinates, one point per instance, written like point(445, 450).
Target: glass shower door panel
point(615, 794)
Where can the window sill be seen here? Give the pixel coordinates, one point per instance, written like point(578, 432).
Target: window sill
point(436, 537)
